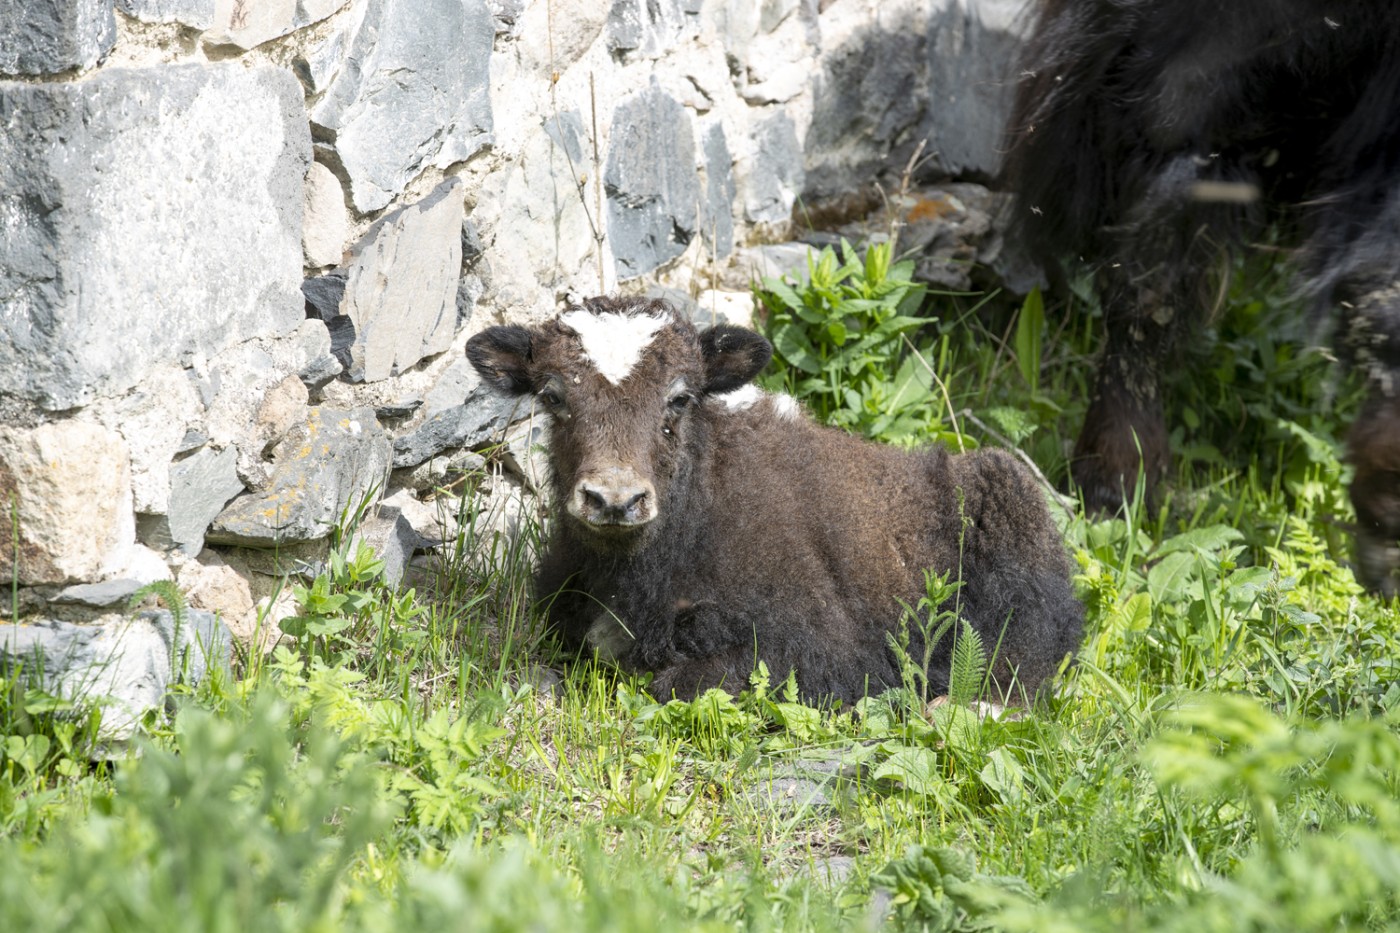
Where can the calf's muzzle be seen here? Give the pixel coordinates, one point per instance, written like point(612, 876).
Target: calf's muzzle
point(613, 497)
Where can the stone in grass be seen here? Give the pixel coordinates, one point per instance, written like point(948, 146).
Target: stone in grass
point(788, 794)
point(393, 539)
point(124, 665)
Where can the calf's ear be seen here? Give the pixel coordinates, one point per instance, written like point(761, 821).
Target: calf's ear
point(733, 357)
point(502, 356)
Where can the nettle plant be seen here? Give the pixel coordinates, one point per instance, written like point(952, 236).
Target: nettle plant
point(842, 339)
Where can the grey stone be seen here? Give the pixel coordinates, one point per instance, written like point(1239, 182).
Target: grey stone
point(192, 441)
point(44, 37)
point(438, 472)
point(318, 67)
point(717, 214)
point(970, 83)
point(321, 468)
point(401, 286)
point(774, 180)
point(124, 665)
point(526, 453)
point(553, 36)
point(112, 593)
point(867, 97)
point(433, 523)
point(475, 282)
point(752, 263)
point(651, 183)
point(788, 794)
point(414, 91)
point(393, 540)
point(833, 870)
point(200, 486)
point(197, 14)
point(651, 27)
point(321, 364)
point(459, 412)
point(506, 14)
point(324, 295)
point(153, 419)
point(398, 410)
point(198, 165)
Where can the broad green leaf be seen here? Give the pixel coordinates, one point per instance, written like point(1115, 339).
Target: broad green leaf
point(794, 347)
point(913, 766)
point(1030, 327)
point(1209, 539)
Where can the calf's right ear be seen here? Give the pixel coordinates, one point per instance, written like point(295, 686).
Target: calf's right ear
point(502, 356)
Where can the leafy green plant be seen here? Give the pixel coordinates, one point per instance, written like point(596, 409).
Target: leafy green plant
point(842, 336)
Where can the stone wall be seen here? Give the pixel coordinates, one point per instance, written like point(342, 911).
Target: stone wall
point(242, 242)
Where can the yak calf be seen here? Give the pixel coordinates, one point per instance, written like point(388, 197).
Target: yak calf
point(703, 525)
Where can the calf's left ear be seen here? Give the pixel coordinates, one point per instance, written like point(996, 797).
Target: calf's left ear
point(502, 356)
point(733, 357)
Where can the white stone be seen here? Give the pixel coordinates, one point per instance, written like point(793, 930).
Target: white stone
point(724, 307)
point(71, 483)
point(327, 221)
point(153, 420)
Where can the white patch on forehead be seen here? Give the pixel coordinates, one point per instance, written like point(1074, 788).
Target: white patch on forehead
point(614, 342)
point(741, 398)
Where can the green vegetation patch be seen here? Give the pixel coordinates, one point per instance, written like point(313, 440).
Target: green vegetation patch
point(1223, 756)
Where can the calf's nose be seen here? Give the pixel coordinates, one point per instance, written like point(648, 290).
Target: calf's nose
point(614, 496)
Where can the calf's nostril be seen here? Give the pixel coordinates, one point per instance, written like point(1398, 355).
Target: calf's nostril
point(594, 498)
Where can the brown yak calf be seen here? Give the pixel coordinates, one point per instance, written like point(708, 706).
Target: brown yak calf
point(703, 525)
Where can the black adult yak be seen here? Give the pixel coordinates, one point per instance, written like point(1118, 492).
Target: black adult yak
point(702, 525)
point(1148, 135)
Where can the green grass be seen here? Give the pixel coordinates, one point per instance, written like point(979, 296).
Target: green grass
point(1223, 757)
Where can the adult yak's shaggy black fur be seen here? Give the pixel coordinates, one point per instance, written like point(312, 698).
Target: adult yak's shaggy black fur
point(701, 525)
point(1149, 134)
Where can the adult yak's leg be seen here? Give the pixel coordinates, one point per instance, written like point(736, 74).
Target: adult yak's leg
point(1371, 337)
point(1124, 435)
point(1153, 289)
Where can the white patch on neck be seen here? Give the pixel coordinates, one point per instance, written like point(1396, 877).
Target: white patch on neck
point(746, 396)
point(614, 342)
point(784, 406)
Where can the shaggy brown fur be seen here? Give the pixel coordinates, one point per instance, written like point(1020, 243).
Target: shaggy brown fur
point(735, 533)
point(1150, 135)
